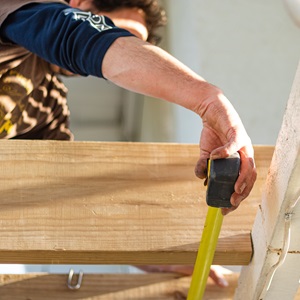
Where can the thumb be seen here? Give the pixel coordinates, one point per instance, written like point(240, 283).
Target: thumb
point(224, 151)
point(201, 166)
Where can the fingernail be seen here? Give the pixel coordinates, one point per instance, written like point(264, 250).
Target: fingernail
point(243, 186)
point(223, 282)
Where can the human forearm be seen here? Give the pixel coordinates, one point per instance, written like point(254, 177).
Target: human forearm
point(146, 69)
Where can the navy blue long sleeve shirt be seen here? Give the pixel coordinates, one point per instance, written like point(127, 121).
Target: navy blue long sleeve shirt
point(70, 38)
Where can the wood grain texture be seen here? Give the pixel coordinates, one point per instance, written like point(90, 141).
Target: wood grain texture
point(110, 287)
point(280, 207)
point(115, 203)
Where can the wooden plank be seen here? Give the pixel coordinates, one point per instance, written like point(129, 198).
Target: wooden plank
point(94, 286)
point(110, 287)
point(277, 211)
point(116, 203)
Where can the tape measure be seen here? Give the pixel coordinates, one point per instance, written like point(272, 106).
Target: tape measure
point(221, 177)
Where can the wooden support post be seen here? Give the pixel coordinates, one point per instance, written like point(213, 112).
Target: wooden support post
point(278, 210)
point(112, 203)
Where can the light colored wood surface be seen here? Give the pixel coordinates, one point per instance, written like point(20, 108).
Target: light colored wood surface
point(95, 203)
point(273, 250)
point(108, 287)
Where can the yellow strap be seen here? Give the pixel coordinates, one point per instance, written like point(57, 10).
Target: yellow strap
point(207, 247)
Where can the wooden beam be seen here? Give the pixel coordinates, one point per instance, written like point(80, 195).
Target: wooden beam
point(108, 287)
point(279, 209)
point(111, 287)
point(112, 203)
point(94, 286)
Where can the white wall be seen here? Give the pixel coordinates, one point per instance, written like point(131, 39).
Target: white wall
point(248, 48)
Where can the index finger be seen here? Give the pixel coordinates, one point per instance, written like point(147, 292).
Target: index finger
point(246, 179)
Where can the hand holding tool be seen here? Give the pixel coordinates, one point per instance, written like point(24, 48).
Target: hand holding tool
point(222, 175)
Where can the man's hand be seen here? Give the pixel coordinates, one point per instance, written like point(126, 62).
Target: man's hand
point(222, 136)
point(146, 69)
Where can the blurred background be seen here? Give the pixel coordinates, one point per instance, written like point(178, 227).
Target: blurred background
point(250, 49)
